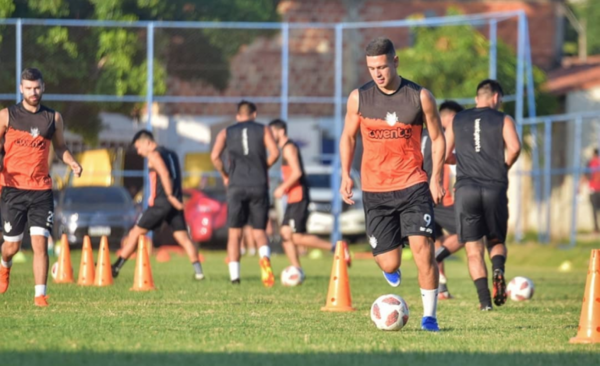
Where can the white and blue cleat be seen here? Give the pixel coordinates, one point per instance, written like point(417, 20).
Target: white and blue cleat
point(429, 324)
point(394, 278)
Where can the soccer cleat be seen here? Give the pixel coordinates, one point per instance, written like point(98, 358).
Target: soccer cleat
point(115, 271)
point(485, 307)
point(347, 256)
point(236, 282)
point(199, 276)
point(41, 301)
point(4, 278)
point(430, 324)
point(443, 293)
point(266, 272)
point(394, 278)
point(499, 288)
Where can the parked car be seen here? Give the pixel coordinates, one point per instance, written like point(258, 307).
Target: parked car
point(205, 214)
point(94, 211)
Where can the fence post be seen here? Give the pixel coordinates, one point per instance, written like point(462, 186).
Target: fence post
point(519, 118)
point(547, 174)
point(336, 207)
point(149, 100)
point(19, 58)
point(576, 178)
point(493, 48)
point(285, 54)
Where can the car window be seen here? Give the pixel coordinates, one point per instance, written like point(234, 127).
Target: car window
point(92, 196)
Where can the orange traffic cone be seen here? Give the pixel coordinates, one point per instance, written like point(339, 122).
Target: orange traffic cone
point(338, 297)
point(163, 256)
point(103, 270)
point(86, 268)
point(64, 273)
point(589, 323)
point(142, 279)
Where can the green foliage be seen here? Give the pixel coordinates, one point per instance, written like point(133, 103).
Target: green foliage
point(112, 61)
point(588, 13)
point(450, 61)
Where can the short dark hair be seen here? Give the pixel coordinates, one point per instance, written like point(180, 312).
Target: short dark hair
point(490, 87)
point(452, 106)
point(142, 135)
point(381, 46)
point(32, 74)
point(279, 124)
point(246, 107)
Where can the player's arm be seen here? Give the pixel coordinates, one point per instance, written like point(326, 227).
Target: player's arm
point(348, 145)
point(156, 162)
point(271, 146)
point(3, 129)
point(450, 144)
point(60, 147)
point(216, 152)
point(290, 153)
point(438, 143)
point(511, 141)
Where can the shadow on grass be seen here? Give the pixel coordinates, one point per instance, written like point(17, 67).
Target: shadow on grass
point(579, 355)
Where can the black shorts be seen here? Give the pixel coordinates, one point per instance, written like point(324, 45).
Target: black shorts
point(20, 206)
point(153, 217)
point(248, 206)
point(296, 216)
point(481, 211)
point(445, 219)
point(391, 217)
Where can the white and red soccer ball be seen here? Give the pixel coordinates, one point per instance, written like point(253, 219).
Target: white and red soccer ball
point(520, 289)
point(389, 312)
point(292, 276)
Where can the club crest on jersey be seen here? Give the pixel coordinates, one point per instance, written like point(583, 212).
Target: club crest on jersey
point(391, 118)
point(35, 132)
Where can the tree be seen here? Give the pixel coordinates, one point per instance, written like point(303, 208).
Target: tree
point(587, 13)
point(451, 60)
point(112, 61)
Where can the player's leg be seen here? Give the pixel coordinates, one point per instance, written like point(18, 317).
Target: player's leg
point(289, 246)
point(595, 201)
point(14, 213)
point(131, 243)
point(41, 217)
point(478, 271)
point(495, 202)
point(258, 218)
point(176, 221)
point(237, 218)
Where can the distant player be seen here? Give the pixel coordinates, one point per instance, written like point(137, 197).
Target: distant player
point(390, 112)
point(164, 203)
point(487, 146)
point(28, 128)
point(247, 181)
point(444, 215)
point(295, 187)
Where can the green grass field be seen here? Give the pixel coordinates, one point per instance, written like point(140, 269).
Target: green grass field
point(215, 323)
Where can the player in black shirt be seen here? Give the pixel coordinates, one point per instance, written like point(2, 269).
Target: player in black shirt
point(247, 144)
point(164, 203)
point(487, 145)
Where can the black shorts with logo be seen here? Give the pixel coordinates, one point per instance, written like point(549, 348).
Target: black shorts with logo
point(153, 217)
point(445, 219)
point(19, 206)
point(248, 206)
point(296, 216)
point(391, 217)
point(481, 211)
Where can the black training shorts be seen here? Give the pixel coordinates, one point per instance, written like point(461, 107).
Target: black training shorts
point(153, 217)
point(248, 206)
point(391, 217)
point(20, 206)
point(296, 216)
point(445, 219)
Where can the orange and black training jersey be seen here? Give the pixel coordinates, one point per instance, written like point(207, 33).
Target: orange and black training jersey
point(391, 126)
point(26, 148)
point(299, 191)
point(158, 195)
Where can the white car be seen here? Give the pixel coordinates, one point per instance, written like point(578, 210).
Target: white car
point(320, 220)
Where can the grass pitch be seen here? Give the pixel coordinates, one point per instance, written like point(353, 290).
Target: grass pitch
point(215, 323)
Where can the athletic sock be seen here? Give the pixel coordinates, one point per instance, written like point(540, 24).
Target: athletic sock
point(441, 254)
point(197, 267)
point(264, 251)
point(234, 271)
point(40, 290)
point(6, 264)
point(483, 291)
point(430, 298)
point(119, 263)
point(498, 262)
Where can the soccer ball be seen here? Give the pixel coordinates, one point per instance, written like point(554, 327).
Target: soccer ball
point(520, 289)
point(292, 276)
point(389, 312)
point(54, 270)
